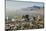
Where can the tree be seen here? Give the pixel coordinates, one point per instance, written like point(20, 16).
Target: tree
point(27, 17)
point(23, 16)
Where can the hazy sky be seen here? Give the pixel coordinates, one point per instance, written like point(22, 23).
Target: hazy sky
point(14, 5)
point(12, 8)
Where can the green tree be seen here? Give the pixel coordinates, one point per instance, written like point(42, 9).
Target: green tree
point(27, 17)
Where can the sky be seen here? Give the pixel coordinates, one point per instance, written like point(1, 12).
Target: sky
point(13, 8)
point(16, 5)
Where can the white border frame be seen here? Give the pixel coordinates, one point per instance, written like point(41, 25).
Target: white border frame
point(2, 15)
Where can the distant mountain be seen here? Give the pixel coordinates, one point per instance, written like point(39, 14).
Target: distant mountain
point(36, 7)
point(31, 8)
